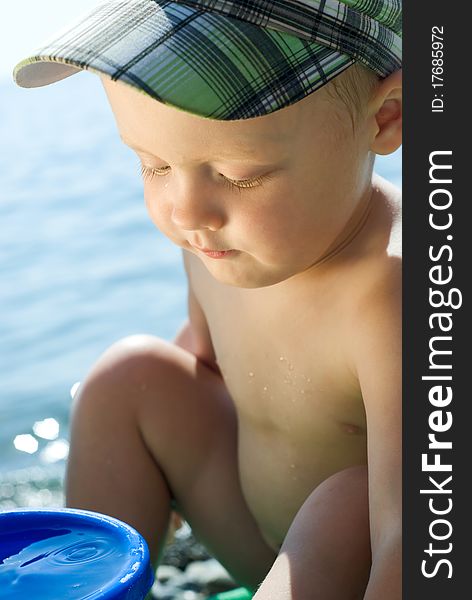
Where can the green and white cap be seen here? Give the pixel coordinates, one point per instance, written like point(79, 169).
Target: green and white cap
point(223, 59)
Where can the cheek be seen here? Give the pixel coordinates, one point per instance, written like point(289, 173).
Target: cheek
point(158, 210)
point(275, 224)
point(292, 227)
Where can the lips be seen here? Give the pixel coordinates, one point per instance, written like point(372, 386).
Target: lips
point(212, 253)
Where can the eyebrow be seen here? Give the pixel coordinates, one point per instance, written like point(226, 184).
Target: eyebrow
point(227, 157)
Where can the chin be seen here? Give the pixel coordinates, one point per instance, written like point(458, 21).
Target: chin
point(244, 278)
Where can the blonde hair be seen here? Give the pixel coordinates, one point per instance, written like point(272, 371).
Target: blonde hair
point(354, 88)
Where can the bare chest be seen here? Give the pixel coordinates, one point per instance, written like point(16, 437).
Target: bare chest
point(300, 411)
point(283, 359)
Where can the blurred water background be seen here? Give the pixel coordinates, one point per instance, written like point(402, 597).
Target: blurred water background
point(81, 266)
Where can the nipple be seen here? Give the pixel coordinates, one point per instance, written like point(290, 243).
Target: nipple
point(350, 428)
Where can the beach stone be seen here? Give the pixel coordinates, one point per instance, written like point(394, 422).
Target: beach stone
point(187, 571)
point(169, 583)
point(190, 586)
point(183, 550)
point(165, 573)
point(210, 576)
point(165, 592)
point(190, 595)
point(170, 591)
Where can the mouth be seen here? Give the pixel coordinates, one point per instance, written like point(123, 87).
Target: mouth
point(211, 253)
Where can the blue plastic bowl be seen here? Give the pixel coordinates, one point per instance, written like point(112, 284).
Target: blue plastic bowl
point(71, 554)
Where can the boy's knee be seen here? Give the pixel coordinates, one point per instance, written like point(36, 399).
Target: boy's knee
point(135, 357)
point(352, 479)
point(131, 364)
point(340, 500)
point(135, 350)
point(329, 534)
point(345, 492)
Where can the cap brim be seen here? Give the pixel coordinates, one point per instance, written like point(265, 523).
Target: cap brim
point(201, 62)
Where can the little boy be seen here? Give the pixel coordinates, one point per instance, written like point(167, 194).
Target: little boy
point(272, 423)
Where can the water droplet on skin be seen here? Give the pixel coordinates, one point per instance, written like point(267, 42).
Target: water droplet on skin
point(251, 374)
point(281, 358)
point(265, 388)
point(302, 391)
point(309, 380)
point(290, 366)
point(292, 466)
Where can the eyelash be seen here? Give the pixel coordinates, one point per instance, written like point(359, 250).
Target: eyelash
point(148, 174)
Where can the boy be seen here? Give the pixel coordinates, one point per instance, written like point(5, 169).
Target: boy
point(273, 422)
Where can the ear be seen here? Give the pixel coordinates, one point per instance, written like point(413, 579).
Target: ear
point(387, 114)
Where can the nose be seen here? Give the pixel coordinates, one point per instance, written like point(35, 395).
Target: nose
point(195, 206)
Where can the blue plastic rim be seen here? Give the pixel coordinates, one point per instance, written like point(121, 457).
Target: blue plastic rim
point(69, 553)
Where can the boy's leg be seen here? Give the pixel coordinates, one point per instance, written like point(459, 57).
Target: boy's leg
point(326, 553)
point(152, 423)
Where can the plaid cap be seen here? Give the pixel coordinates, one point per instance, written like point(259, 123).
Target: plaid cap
point(223, 59)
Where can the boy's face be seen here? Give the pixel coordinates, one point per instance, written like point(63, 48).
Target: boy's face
point(314, 173)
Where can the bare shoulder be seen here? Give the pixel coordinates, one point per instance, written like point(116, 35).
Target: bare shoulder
point(374, 325)
point(389, 197)
point(376, 301)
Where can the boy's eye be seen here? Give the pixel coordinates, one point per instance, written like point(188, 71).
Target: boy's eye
point(244, 183)
point(148, 174)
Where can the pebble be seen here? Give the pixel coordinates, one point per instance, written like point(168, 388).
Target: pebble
point(171, 592)
point(165, 573)
point(188, 572)
point(182, 551)
point(209, 576)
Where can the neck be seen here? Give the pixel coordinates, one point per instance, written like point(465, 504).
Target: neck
point(351, 231)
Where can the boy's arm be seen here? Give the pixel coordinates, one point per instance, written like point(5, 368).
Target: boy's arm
point(378, 356)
